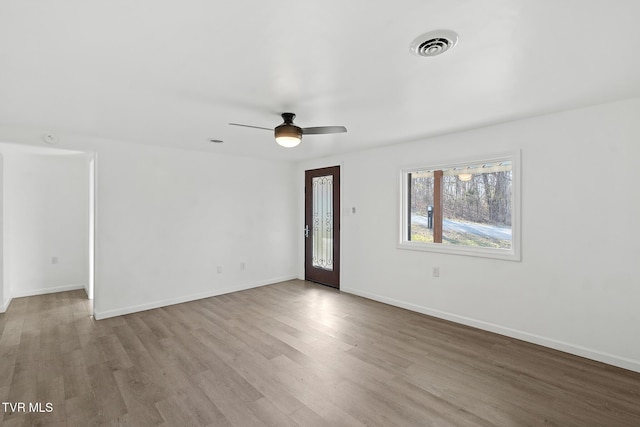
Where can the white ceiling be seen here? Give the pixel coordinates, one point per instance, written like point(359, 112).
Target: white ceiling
point(175, 73)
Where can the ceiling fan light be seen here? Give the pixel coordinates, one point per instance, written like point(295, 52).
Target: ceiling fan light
point(288, 141)
point(288, 135)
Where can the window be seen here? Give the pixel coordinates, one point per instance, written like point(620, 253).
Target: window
point(466, 208)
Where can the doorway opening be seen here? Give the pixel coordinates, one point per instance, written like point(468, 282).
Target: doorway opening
point(48, 221)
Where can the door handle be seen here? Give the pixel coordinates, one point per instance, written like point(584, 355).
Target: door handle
point(306, 231)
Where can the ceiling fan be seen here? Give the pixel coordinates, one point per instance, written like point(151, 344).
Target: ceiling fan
point(289, 135)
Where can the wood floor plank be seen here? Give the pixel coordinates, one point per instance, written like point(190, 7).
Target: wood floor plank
point(222, 375)
point(50, 391)
point(297, 379)
point(8, 357)
point(440, 411)
point(365, 405)
point(175, 414)
point(269, 414)
point(140, 393)
point(305, 416)
point(109, 399)
point(289, 354)
point(83, 410)
point(11, 332)
point(24, 382)
point(230, 404)
point(256, 371)
point(198, 404)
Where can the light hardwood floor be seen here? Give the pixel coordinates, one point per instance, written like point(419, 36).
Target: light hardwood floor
point(290, 354)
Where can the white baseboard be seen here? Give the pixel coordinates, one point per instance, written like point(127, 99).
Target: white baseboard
point(42, 291)
point(610, 359)
point(99, 315)
point(5, 305)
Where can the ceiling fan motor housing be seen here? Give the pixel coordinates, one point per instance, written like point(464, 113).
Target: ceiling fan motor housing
point(288, 129)
point(291, 131)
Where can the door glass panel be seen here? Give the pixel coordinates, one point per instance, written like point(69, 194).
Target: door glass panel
point(322, 232)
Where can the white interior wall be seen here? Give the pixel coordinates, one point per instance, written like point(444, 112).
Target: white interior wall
point(576, 288)
point(46, 204)
point(166, 220)
point(174, 225)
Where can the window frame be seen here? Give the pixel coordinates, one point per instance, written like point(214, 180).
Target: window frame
point(512, 254)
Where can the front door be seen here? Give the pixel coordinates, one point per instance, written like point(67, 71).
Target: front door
point(322, 226)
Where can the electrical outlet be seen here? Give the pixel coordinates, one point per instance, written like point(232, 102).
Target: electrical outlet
point(54, 260)
point(435, 272)
point(219, 269)
point(242, 266)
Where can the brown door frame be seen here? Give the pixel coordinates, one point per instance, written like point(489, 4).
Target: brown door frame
point(325, 277)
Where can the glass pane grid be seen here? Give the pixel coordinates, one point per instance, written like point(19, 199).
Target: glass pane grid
point(322, 222)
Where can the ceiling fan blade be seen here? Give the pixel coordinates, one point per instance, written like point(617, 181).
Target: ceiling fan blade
point(249, 126)
point(323, 130)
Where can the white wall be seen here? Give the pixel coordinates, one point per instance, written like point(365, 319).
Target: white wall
point(46, 205)
point(577, 286)
point(167, 219)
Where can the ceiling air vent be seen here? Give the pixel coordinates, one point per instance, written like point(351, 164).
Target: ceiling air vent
point(434, 43)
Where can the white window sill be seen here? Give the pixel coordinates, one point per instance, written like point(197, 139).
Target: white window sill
point(494, 253)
